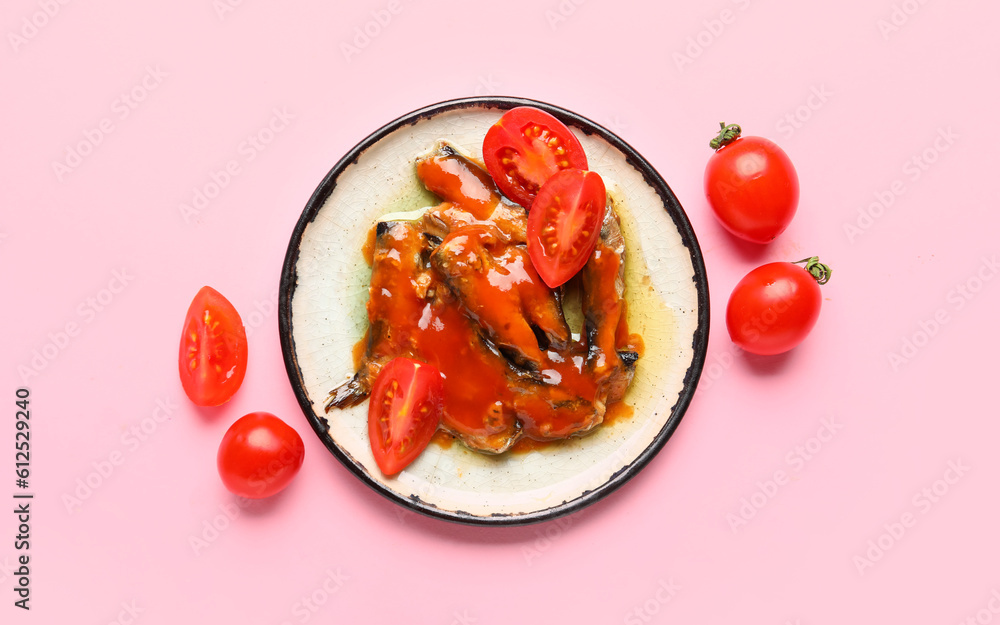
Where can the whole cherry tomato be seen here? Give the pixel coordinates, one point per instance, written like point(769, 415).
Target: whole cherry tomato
point(774, 307)
point(751, 185)
point(259, 455)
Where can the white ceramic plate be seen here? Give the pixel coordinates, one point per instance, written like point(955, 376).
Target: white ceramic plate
point(324, 287)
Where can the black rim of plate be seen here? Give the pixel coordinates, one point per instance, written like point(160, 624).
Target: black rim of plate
point(699, 341)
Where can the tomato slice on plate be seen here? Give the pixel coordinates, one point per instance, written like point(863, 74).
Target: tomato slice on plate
point(525, 148)
point(403, 412)
point(564, 224)
point(213, 351)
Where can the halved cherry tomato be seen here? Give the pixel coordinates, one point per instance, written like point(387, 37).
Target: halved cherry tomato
point(259, 455)
point(751, 185)
point(213, 351)
point(525, 148)
point(403, 412)
point(564, 224)
point(774, 307)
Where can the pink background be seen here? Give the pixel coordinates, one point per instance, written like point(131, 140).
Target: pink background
point(863, 102)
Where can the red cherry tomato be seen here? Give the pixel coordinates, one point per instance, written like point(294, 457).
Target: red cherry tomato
point(403, 412)
point(525, 148)
point(564, 224)
point(259, 455)
point(751, 185)
point(774, 307)
point(213, 351)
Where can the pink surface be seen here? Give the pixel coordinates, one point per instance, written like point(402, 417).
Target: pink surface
point(885, 109)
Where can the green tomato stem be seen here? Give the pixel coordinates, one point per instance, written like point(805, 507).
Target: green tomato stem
point(727, 135)
point(816, 269)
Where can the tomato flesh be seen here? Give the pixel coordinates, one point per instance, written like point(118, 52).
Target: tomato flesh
point(773, 308)
point(564, 224)
point(752, 188)
point(259, 455)
point(525, 148)
point(213, 349)
point(403, 412)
